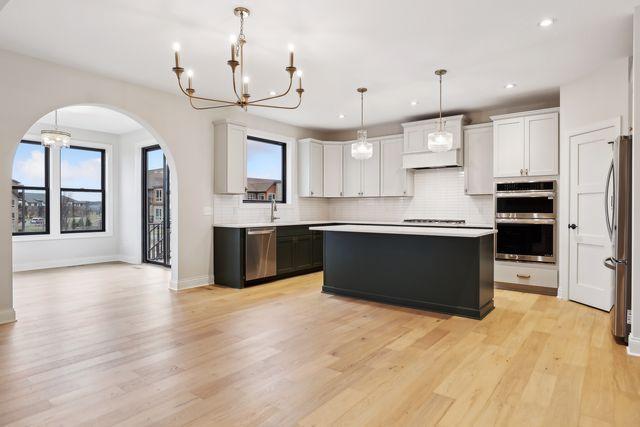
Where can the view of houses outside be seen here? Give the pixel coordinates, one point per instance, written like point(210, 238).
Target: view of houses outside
point(80, 211)
point(28, 210)
point(264, 171)
point(157, 228)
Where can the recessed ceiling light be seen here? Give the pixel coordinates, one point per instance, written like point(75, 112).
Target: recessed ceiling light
point(272, 93)
point(510, 85)
point(341, 116)
point(546, 22)
point(414, 103)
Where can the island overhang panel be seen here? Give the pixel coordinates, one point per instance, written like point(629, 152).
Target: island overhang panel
point(444, 273)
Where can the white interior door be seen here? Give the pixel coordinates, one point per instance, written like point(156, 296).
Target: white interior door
point(590, 282)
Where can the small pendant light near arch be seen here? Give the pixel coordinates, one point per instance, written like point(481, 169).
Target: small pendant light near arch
point(440, 140)
point(51, 137)
point(362, 149)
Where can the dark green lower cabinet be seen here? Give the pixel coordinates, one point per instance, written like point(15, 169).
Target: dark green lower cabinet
point(284, 255)
point(299, 251)
point(294, 253)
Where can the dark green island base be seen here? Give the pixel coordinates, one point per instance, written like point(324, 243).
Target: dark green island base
point(450, 274)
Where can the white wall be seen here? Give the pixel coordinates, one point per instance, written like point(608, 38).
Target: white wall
point(601, 95)
point(129, 195)
point(438, 193)
point(56, 249)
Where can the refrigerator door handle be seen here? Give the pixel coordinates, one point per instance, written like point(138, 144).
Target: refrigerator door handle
point(606, 201)
point(607, 263)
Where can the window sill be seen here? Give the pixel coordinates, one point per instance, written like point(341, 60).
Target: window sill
point(47, 237)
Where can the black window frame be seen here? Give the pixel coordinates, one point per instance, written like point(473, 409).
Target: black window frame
point(283, 145)
point(103, 160)
point(46, 189)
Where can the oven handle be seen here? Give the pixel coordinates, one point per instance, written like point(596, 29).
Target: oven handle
point(548, 194)
point(542, 221)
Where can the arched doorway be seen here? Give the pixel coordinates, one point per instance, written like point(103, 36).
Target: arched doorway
point(84, 204)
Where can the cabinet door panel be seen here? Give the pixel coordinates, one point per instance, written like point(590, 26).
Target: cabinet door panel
point(371, 173)
point(303, 252)
point(332, 171)
point(478, 160)
point(392, 175)
point(284, 259)
point(316, 165)
point(508, 147)
point(351, 177)
point(236, 159)
point(541, 142)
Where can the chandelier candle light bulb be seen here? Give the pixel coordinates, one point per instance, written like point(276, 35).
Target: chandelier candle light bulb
point(241, 89)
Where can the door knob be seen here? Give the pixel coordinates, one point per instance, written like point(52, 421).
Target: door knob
point(573, 226)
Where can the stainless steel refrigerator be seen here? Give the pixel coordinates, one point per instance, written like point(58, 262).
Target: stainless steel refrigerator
point(618, 219)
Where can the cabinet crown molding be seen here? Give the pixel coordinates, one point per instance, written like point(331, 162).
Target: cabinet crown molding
point(525, 113)
point(459, 117)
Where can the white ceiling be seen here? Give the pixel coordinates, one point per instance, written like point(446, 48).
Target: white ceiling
point(392, 47)
point(92, 118)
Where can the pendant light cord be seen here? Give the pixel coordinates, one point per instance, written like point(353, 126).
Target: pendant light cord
point(361, 110)
point(440, 99)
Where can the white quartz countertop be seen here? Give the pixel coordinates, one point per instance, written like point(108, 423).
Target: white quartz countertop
point(328, 221)
point(414, 231)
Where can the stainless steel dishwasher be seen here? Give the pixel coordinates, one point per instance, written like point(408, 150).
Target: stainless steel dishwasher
point(260, 253)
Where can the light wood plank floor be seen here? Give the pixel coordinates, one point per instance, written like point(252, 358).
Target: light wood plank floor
point(109, 344)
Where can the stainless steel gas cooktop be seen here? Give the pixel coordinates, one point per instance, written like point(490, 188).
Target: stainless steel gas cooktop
point(435, 221)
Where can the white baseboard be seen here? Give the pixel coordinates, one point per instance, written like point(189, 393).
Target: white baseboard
point(7, 315)
point(192, 282)
point(69, 262)
point(129, 259)
point(634, 346)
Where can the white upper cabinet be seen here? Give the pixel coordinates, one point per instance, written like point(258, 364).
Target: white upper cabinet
point(332, 170)
point(371, 173)
point(525, 144)
point(541, 142)
point(230, 157)
point(416, 153)
point(508, 147)
point(310, 168)
point(326, 169)
point(361, 177)
point(394, 179)
point(478, 159)
point(352, 174)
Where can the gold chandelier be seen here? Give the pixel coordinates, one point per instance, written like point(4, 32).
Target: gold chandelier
point(242, 93)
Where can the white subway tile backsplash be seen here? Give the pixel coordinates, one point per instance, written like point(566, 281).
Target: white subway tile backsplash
point(439, 193)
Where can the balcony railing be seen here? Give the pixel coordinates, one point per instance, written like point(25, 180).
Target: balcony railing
point(156, 239)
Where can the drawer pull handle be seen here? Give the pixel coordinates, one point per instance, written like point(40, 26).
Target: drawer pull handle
point(523, 276)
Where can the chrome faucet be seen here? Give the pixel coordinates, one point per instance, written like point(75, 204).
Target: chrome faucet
point(274, 209)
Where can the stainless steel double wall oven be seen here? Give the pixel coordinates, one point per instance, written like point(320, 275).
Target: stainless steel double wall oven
point(526, 219)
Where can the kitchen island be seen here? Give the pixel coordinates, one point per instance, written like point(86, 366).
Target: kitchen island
point(449, 270)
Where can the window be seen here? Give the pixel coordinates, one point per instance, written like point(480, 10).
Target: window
point(30, 189)
point(266, 171)
point(82, 193)
point(158, 195)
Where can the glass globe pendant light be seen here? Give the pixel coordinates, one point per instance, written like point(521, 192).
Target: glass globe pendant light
point(361, 149)
point(440, 140)
point(55, 136)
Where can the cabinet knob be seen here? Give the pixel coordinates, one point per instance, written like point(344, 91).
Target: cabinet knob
point(526, 171)
point(521, 171)
point(312, 193)
point(341, 194)
point(573, 226)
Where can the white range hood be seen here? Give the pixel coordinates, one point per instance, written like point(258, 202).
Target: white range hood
point(416, 154)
